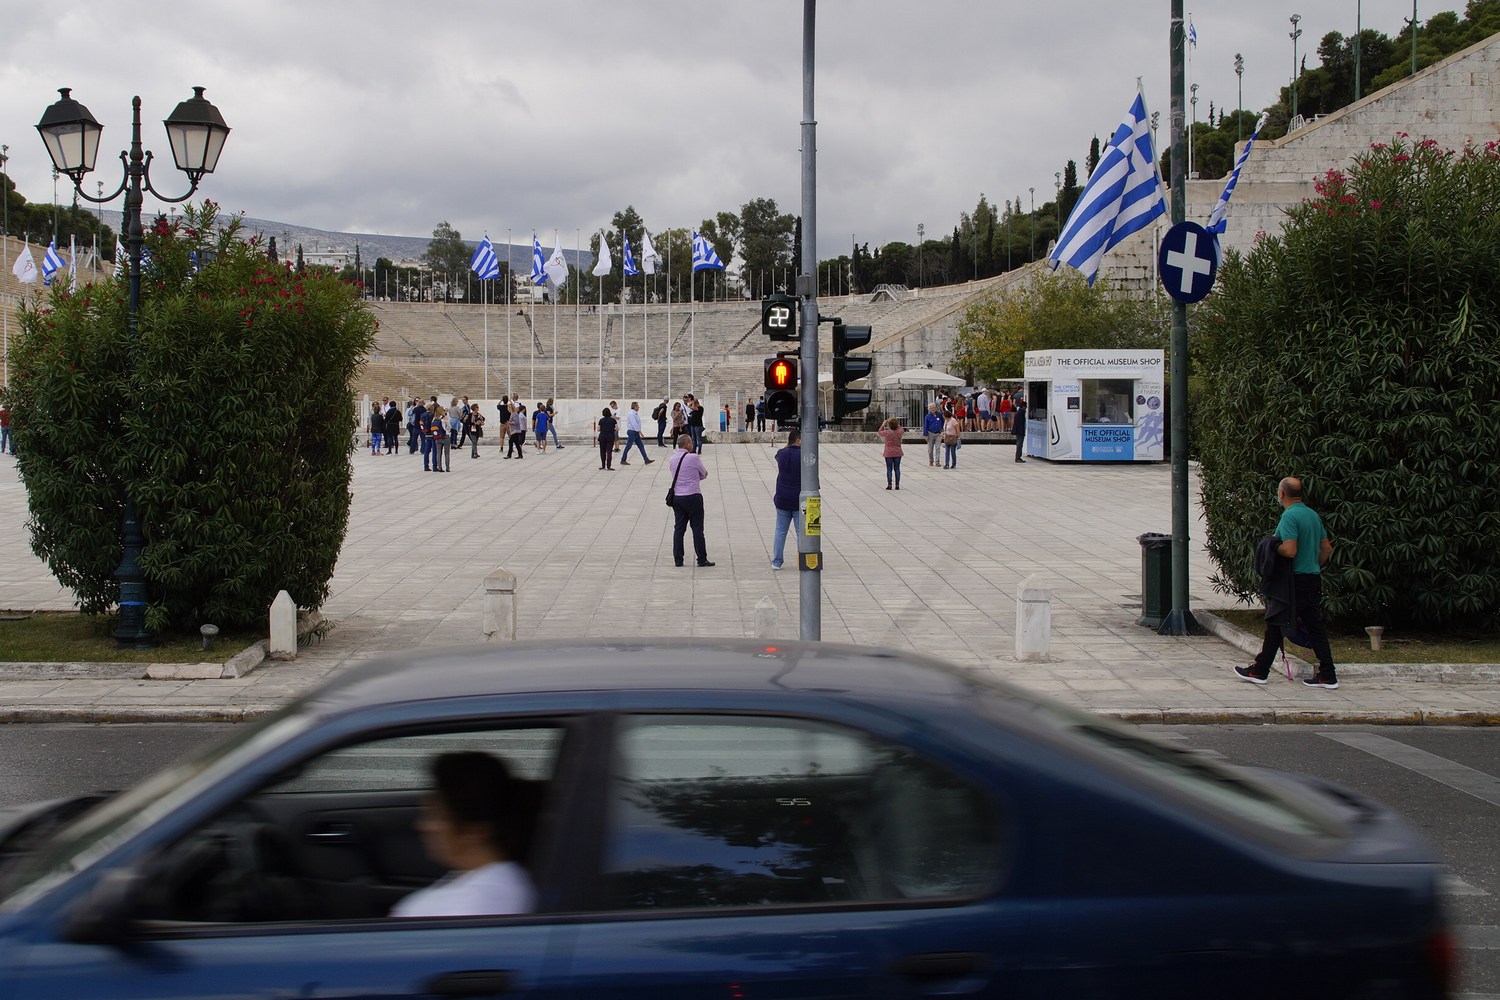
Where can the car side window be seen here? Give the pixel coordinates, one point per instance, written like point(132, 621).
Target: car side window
point(338, 837)
point(716, 811)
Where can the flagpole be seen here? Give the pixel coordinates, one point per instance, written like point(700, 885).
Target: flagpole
point(486, 340)
point(692, 333)
point(510, 286)
point(556, 241)
point(624, 284)
point(669, 313)
point(602, 247)
point(645, 319)
point(578, 318)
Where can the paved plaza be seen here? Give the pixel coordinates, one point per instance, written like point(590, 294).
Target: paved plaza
point(933, 567)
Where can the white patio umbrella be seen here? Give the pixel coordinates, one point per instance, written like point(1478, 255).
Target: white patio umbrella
point(920, 377)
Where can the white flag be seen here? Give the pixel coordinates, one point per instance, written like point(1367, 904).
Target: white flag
point(648, 253)
point(25, 267)
point(119, 258)
point(557, 266)
point(72, 264)
point(603, 265)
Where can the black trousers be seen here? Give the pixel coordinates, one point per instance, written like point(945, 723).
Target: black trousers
point(689, 511)
point(1020, 444)
point(1307, 596)
point(607, 452)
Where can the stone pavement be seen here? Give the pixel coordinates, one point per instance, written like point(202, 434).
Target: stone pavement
point(933, 567)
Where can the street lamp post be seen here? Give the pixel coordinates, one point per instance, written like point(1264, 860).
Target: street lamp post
point(196, 132)
point(1191, 130)
point(1296, 34)
point(1239, 72)
point(1359, 39)
point(1033, 223)
point(920, 230)
point(1058, 177)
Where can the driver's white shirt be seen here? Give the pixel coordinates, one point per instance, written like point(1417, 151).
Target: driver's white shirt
point(496, 888)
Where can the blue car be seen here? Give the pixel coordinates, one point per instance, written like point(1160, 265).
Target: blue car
point(713, 819)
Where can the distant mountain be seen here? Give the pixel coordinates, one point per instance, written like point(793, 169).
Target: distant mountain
point(372, 245)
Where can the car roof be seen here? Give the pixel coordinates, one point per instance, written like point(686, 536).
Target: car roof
point(859, 673)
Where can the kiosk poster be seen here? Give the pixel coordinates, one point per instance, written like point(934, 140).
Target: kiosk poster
point(1108, 444)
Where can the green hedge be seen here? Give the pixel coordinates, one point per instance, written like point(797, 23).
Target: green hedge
point(230, 422)
point(1359, 350)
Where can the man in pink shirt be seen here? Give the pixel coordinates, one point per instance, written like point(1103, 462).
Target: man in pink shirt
point(688, 473)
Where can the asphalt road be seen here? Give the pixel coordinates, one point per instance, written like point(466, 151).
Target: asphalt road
point(1446, 780)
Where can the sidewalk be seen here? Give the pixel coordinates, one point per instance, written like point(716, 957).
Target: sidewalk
point(933, 567)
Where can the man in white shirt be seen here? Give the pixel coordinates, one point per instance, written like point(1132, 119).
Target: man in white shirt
point(633, 434)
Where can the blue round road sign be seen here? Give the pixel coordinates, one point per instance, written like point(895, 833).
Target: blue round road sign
point(1187, 262)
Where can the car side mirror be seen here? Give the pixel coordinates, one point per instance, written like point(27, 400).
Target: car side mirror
point(104, 916)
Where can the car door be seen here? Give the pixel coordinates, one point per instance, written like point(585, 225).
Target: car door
point(764, 856)
point(196, 945)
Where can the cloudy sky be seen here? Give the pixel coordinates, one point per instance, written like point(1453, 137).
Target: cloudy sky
point(386, 117)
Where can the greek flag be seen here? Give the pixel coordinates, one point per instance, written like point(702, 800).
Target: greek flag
point(1122, 197)
point(630, 269)
point(1219, 220)
point(538, 269)
point(52, 262)
point(1192, 33)
point(483, 262)
point(704, 257)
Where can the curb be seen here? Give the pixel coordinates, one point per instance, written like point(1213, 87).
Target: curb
point(1140, 716)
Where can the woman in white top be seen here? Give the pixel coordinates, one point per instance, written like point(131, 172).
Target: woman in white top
point(464, 826)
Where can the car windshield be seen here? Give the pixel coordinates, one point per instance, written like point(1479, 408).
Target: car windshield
point(96, 831)
point(1221, 786)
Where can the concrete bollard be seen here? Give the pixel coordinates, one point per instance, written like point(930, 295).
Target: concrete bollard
point(500, 607)
point(1033, 619)
point(283, 644)
point(1375, 632)
point(765, 618)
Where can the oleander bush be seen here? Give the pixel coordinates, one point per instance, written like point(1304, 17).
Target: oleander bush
point(1359, 349)
point(229, 421)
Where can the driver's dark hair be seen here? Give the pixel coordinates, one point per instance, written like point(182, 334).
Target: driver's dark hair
point(475, 787)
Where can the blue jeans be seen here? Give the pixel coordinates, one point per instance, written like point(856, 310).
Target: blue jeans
point(950, 456)
point(633, 439)
point(696, 433)
point(5, 441)
point(552, 427)
point(426, 451)
point(784, 520)
point(893, 467)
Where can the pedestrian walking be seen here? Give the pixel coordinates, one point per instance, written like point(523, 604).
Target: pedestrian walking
point(375, 425)
point(1019, 426)
point(787, 494)
point(517, 444)
point(891, 433)
point(952, 440)
point(606, 436)
point(1300, 538)
point(688, 473)
point(5, 448)
point(392, 427)
point(539, 421)
point(441, 441)
point(695, 422)
point(660, 416)
point(552, 422)
point(476, 429)
point(465, 421)
point(633, 435)
point(932, 430)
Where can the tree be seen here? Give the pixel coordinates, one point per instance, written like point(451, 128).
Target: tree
point(1058, 311)
point(447, 253)
point(1356, 351)
point(233, 510)
point(1070, 190)
point(1093, 160)
point(766, 235)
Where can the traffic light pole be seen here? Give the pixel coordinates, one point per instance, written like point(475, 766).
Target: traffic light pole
point(809, 540)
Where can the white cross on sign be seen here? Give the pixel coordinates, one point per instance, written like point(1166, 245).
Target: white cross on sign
point(1188, 260)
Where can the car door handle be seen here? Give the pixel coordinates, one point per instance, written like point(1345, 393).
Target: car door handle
point(469, 983)
point(332, 831)
point(939, 964)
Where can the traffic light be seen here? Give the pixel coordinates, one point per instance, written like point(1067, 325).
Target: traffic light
point(847, 369)
point(781, 389)
point(778, 317)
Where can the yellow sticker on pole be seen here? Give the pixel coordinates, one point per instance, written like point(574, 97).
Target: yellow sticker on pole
point(812, 515)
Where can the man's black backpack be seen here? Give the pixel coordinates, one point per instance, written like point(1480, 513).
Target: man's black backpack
point(660, 413)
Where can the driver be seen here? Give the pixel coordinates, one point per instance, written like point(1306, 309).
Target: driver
point(463, 826)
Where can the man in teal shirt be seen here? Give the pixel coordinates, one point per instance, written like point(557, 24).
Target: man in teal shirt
point(1306, 544)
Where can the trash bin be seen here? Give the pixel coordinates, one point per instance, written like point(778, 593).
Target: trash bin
point(1156, 578)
